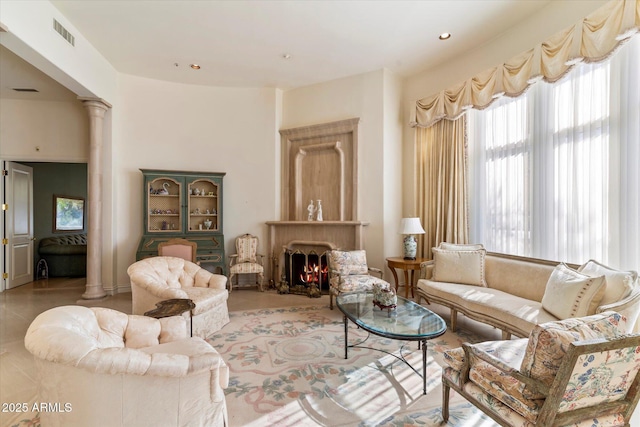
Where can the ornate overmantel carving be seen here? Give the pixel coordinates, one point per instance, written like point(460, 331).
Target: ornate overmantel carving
point(320, 162)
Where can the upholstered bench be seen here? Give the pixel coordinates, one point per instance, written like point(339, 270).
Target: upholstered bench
point(66, 256)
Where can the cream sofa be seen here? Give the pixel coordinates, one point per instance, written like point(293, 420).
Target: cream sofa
point(508, 292)
point(161, 278)
point(107, 368)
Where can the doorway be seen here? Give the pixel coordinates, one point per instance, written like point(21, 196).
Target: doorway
point(48, 179)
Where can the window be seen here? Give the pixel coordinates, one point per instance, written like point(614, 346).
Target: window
point(554, 171)
point(68, 213)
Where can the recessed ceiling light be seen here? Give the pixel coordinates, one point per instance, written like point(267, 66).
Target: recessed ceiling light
point(195, 66)
point(444, 36)
point(286, 56)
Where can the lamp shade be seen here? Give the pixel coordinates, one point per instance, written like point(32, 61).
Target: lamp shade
point(411, 226)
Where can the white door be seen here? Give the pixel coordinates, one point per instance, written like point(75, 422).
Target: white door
point(18, 220)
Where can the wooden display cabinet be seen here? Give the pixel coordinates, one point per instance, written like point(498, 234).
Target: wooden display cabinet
point(187, 205)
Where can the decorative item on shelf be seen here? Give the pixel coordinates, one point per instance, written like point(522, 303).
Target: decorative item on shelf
point(164, 190)
point(211, 193)
point(164, 225)
point(319, 211)
point(311, 209)
point(409, 227)
point(207, 222)
point(384, 297)
point(196, 192)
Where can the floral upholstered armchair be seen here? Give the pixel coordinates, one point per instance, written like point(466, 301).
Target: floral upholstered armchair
point(246, 260)
point(349, 272)
point(578, 372)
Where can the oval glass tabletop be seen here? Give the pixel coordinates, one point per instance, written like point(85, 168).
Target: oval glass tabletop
point(408, 321)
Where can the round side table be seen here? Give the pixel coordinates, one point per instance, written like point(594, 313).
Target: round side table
point(173, 307)
point(406, 265)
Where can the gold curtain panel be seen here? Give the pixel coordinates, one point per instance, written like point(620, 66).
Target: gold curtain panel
point(592, 39)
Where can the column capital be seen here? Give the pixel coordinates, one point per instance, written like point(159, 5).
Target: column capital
point(95, 102)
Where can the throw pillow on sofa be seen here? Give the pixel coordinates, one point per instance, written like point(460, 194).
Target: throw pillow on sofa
point(619, 284)
point(460, 246)
point(459, 266)
point(572, 294)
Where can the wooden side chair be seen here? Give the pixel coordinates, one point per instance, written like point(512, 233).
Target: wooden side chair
point(179, 248)
point(246, 260)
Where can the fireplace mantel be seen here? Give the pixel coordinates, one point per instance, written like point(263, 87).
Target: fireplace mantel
point(317, 235)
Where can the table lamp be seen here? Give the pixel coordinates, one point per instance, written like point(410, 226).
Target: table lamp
point(409, 227)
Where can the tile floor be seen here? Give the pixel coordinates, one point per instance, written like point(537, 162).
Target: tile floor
point(19, 306)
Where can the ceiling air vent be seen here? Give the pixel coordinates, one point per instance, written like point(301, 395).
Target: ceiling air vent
point(25, 89)
point(64, 33)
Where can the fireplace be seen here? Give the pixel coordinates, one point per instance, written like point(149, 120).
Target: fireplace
point(310, 238)
point(319, 162)
point(306, 272)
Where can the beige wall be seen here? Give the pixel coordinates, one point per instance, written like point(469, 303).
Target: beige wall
point(375, 98)
point(43, 131)
point(161, 125)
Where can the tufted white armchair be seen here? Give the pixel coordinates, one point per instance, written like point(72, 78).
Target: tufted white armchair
point(114, 369)
point(349, 272)
point(161, 278)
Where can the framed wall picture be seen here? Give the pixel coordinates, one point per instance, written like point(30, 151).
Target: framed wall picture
point(68, 213)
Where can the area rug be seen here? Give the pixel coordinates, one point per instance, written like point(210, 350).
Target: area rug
point(288, 368)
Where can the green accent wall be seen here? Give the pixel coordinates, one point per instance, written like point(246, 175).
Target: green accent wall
point(67, 179)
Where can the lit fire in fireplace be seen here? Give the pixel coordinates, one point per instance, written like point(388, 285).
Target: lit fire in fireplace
point(313, 273)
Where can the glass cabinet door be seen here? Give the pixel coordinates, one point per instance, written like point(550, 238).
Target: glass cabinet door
point(203, 206)
point(164, 206)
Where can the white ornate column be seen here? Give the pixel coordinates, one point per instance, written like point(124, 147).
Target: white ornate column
point(96, 109)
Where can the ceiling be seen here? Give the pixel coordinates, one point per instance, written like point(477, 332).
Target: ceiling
point(243, 43)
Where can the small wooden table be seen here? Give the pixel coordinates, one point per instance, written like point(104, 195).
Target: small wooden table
point(173, 307)
point(406, 265)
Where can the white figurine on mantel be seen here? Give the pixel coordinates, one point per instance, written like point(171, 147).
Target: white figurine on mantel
point(311, 209)
point(319, 211)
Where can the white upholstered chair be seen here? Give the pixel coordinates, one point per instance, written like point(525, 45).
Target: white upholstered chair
point(349, 272)
point(113, 369)
point(159, 278)
point(246, 260)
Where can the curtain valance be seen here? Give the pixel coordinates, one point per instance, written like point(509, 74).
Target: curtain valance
point(592, 39)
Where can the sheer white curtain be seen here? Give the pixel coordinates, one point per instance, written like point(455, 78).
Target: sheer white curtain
point(554, 172)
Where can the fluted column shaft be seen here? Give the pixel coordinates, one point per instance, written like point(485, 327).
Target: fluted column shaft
point(96, 109)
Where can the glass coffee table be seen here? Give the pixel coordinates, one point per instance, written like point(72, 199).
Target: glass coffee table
point(409, 321)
